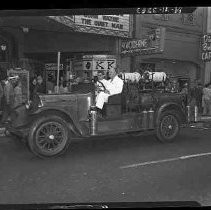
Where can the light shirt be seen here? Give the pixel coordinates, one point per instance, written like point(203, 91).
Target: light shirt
point(105, 83)
point(207, 93)
point(9, 92)
point(115, 85)
point(18, 96)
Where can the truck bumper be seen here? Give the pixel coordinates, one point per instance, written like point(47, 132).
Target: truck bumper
point(21, 131)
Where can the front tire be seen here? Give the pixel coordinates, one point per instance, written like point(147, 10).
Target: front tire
point(49, 136)
point(168, 126)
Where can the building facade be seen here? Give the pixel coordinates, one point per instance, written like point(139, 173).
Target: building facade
point(32, 42)
point(181, 54)
point(37, 40)
point(207, 72)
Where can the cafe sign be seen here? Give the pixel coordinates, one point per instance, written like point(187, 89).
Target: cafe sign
point(151, 43)
point(206, 48)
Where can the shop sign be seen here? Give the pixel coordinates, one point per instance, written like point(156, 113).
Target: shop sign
point(206, 48)
point(53, 66)
point(116, 25)
point(150, 44)
point(99, 65)
point(103, 65)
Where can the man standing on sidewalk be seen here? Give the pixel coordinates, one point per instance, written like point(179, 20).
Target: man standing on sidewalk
point(8, 101)
point(198, 93)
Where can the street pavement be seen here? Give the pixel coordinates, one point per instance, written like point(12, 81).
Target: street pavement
point(117, 169)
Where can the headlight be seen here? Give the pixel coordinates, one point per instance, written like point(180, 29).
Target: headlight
point(27, 105)
point(40, 104)
point(34, 104)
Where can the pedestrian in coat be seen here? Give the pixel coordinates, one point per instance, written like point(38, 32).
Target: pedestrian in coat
point(185, 93)
point(40, 87)
point(1, 96)
point(8, 97)
point(18, 94)
point(206, 99)
point(198, 93)
point(32, 87)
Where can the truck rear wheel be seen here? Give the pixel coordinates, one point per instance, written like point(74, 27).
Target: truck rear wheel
point(168, 126)
point(49, 136)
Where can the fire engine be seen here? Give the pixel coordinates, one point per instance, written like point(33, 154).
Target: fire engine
point(50, 122)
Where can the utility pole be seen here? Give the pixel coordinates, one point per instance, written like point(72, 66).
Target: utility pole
point(132, 57)
point(58, 71)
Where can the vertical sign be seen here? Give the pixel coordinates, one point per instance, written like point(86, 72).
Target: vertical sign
point(206, 48)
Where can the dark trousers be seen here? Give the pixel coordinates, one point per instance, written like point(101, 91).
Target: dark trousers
point(199, 105)
point(7, 111)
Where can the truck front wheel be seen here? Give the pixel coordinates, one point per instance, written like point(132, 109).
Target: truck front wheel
point(168, 126)
point(49, 136)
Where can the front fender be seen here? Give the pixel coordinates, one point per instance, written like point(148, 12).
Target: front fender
point(71, 118)
point(171, 106)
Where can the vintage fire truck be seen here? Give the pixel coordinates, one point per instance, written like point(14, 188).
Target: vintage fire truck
point(49, 123)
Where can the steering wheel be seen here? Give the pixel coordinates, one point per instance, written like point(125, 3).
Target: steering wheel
point(101, 87)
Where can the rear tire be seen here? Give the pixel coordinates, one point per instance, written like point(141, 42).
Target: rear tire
point(168, 126)
point(49, 136)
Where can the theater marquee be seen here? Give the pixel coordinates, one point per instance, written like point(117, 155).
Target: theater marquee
point(114, 25)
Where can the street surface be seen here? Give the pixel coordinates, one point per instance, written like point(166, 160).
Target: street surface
point(119, 169)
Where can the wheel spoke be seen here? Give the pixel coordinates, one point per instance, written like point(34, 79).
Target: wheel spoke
point(41, 131)
point(52, 129)
point(49, 129)
point(44, 145)
point(58, 134)
point(41, 136)
point(54, 143)
point(48, 145)
point(44, 130)
point(168, 126)
point(58, 140)
point(41, 140)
